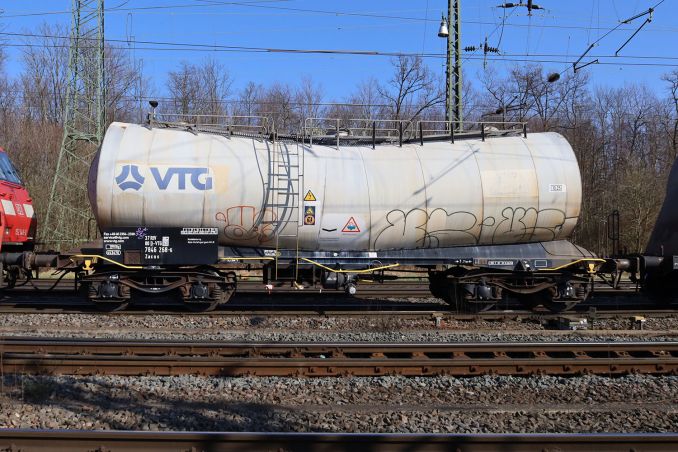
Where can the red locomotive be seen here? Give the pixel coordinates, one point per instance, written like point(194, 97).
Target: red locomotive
point(16, 209)
point(17, 220)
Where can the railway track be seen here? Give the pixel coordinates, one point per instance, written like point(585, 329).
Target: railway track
point(113, 441)
point(116, 357)
point(251, 299)
point(309, 305)
point(435, 314)
point(417, 287)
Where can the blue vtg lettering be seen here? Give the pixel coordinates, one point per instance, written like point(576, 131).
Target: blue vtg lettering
point(134, 177)
point(182, 174)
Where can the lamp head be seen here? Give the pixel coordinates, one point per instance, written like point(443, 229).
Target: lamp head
point(443, 31)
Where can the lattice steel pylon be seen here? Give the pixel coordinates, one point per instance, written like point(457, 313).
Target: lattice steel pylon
point(69, 216)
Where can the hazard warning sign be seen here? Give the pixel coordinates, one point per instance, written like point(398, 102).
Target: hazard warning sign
point(351, 226)
point(309, 215)
point(309, 196)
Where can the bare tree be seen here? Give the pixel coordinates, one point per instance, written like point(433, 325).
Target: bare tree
point(637, 205)
point(307, 99)
point(184, 88)
point(216, 86)
point(361, 108)
point(411, 90)
point(248, 103)
point(369, 103)
point(277, 105)
point(44, 79)
point(8, 91)
point(672, 79)
point(498, 96)
point(123, 80)
point(199, 89)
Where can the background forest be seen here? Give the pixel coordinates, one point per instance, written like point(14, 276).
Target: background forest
point(625, 139)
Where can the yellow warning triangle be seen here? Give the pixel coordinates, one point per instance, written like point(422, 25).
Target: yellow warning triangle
point(309, 196)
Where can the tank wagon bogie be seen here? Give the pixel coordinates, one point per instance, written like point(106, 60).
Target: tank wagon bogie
point(198, 289)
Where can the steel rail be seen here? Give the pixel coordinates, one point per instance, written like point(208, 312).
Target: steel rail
point(114, 441)
point(312, 302)
point(412, 312)
point(350, 307)
point(117, 357)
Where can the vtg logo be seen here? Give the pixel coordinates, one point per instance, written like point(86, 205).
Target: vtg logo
point(129, 178)
point(173, 177)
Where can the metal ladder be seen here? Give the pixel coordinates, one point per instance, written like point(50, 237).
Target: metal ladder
point(282, 198)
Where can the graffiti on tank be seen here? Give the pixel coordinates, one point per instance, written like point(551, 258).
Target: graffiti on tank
point(516, 224)
point(416, 221)
point(240, 224)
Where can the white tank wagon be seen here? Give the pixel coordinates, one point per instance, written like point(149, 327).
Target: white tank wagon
point(500, 191)
point(483, 217)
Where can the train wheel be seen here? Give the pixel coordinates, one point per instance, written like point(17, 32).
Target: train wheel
point(219, 294)
point(457, 298)
point(107, 297)
point(214, 294)
point(199, 297)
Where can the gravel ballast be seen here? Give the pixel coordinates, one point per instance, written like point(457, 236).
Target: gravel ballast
point(253, 328)
point(488, 404)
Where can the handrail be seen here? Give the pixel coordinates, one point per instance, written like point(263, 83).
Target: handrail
point(338, 131)
point(220, 124)
point(452, 128)
point(370, 131)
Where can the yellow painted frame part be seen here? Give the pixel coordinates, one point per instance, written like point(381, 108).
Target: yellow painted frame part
point(590, 259)
point(263, 258)
point(334, 270)
point(138, 267)
point(96, 256)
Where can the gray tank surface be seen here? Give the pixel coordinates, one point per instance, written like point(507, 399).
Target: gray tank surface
point(506, 190)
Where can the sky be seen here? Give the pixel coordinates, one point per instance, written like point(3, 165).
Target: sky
point(158, 34)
